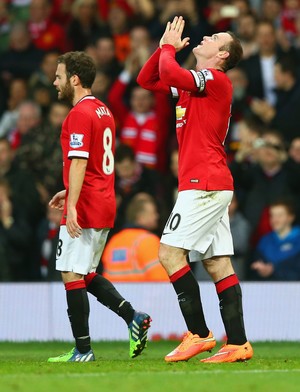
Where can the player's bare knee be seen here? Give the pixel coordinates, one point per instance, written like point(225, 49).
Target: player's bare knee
point(171, 258)
point(218, 267)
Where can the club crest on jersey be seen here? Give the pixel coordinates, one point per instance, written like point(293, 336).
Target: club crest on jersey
point(180, 112)
point(76, 140)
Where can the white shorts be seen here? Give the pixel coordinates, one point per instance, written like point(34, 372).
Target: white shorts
point(200, 221)
point(80, 255)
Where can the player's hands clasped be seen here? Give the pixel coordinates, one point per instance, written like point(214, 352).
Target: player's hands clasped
point(173, 33)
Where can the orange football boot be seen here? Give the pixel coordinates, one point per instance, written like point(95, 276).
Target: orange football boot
point(190, 346)
point(231, 353)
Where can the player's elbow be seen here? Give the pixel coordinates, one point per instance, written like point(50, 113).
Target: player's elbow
point(166, 76)
point(141, 81)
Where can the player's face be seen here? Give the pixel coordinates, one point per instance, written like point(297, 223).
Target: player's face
point(210, 45)
point(62, 84)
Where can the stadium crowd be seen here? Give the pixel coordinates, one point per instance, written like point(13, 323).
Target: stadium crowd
point(263, 141)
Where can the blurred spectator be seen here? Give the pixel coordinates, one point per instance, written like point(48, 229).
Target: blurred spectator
point(261, 183)
point(46, 34)
point(41, 88)
point(143, 124)
point(61, 11)
point(259, 67)
point(18, 92)
point(247, 138)
point(119, 18)
point(243, 7)
point(15, 237)
point(22, 58)
point(140, 42)
point(271, 11)
point(246, 31)
point(47, 239)
point(20, 9)
point(240, 106)
point(196, 24)
point(296, 41)
point(144, 10)
point(132, 178)
point(285, 115)
point(5, 25)
point(40, 151)
point(219, 15)
point(101, 86)
point(105, 57)
point(25, 197)
point(29, 116)
point(288, 16)
point(85, 25)
point(139, 124)
point(294, 150)
point(23, 187)
point(131, 255)
point(277, 254)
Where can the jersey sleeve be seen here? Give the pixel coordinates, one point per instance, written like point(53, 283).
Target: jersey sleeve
point(148, 77)
point(79, 126)
point(176, 77)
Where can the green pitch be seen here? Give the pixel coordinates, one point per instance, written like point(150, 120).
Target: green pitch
point(23, 368)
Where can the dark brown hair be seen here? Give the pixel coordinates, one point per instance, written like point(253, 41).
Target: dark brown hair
point(80, 64)
point(235, 50)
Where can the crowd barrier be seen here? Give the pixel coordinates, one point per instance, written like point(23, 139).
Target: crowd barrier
point(37, 311)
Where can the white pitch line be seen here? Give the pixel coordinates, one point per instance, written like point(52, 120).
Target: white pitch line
point(190, 372)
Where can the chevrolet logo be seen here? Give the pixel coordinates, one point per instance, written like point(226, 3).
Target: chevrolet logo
point(180, 112)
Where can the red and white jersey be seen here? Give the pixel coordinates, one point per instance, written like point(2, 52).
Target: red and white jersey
point(88, 132)
point(202, 118)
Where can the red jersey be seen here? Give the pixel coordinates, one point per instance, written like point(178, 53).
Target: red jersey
point(202, 118)
point(89, 132)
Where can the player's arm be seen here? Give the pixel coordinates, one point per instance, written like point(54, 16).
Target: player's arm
point(79, 126)
point(148, 77)
point(173, 75)
point(170, 71)
point(76, 178)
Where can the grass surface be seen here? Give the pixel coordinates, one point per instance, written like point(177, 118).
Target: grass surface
point(23, 367)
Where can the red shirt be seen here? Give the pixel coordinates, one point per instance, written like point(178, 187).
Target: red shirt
point(141, 136)
point(202, 118)
point(89, 132)
point(48, 35)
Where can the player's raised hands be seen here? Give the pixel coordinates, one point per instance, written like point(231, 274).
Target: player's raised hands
point(173, 33)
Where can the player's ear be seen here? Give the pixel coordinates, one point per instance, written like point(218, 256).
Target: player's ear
point(75, 81)
point(223, 54)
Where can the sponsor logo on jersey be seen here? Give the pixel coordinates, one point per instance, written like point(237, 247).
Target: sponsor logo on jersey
point(76, 140)
point(180, 112)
